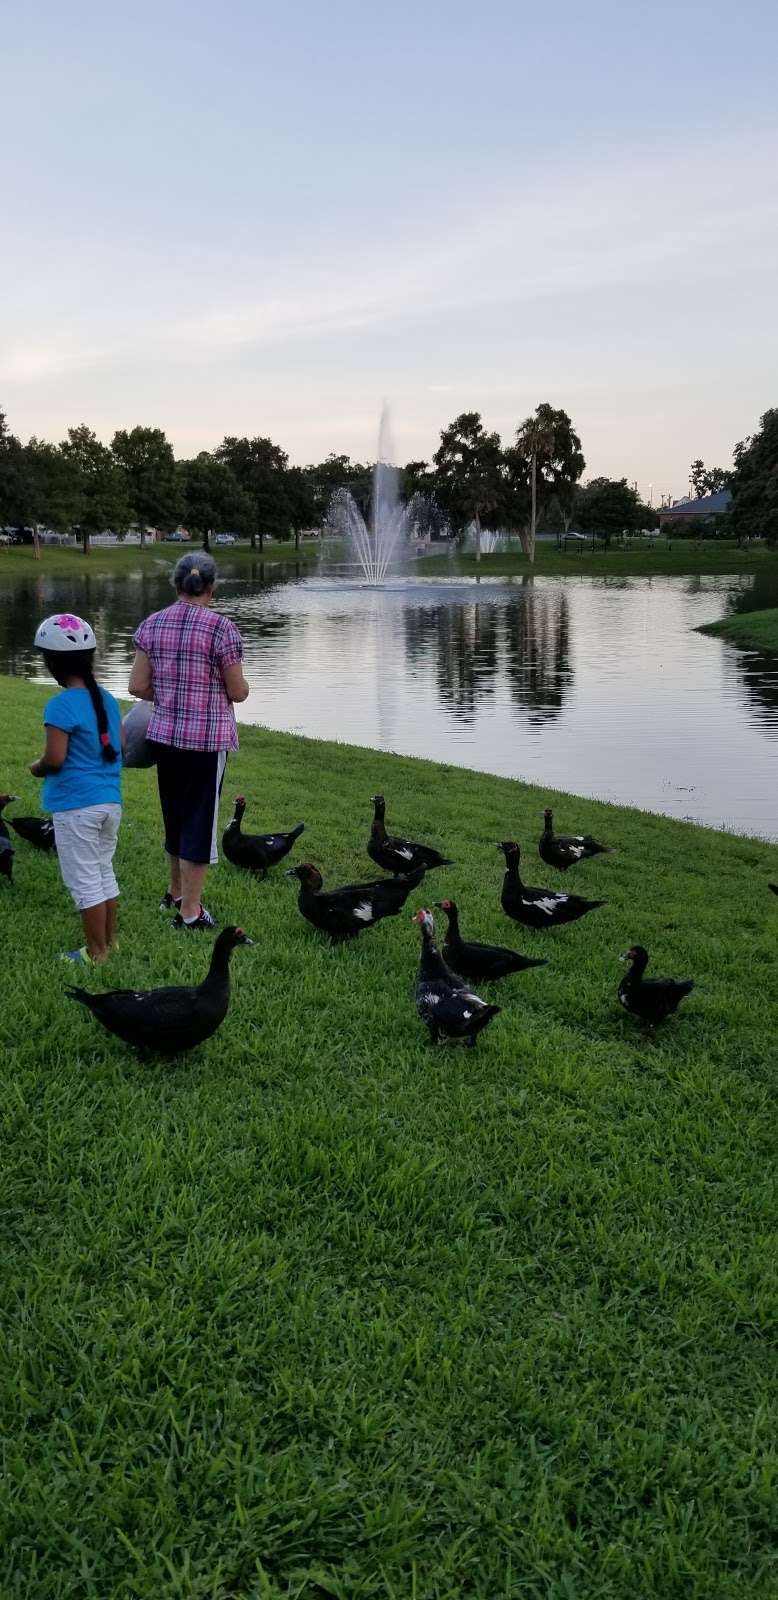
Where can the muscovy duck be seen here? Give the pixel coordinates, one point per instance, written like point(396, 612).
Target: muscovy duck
point(36, 830)
point(480, 960)
point(399, 856)
point(445, 1004)
point(344, 913)
point(169, 1021)
point(6, 848)
point(563, 850)
point(538, 908)
point(256, 851)
point(651, 999)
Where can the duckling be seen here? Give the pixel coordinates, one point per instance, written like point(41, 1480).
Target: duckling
point(651, 999)
point(256, 851)
point(343, 913)
point(563, 850)
point(446, 1006)
point(399, 856)
point(538, 908)
point(169, 1021)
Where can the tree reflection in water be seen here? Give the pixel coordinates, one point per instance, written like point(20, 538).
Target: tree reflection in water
point(475, 645)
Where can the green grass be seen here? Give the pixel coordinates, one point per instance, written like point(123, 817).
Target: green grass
point(753, 630)
point(59, 560)
point(322, 1311)
point(683, 558)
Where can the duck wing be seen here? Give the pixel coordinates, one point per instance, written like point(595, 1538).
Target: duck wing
point(475, 960)
point(38, 831)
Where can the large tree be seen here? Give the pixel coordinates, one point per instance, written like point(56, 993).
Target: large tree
point(469, 473)
point(145, 456)
point(15, 508)
point(339, 472)
point(708, 480)
point(611, 507)
point(754, 508)
point(260, 468)
point(548, 455)
point(211, 498)
point(101, 492)
point(55, 484)
point(301, 501)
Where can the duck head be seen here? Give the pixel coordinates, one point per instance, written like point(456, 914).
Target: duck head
point(638, 955)
point(449, 906)
point(379, 804)
point(240, 806)
point(309, 876)
point(5, 800)
point(548, 819)
point(510, 851)
point(235, 936)
point(424, 919)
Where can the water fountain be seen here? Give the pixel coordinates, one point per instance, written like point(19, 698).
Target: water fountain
point(386, 538)
point(491, 540)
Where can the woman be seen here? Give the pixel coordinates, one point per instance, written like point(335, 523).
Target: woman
point(188, 661)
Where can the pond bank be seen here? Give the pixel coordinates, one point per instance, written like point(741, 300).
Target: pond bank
point(752, 630)
point(682, 559)
point(354, 1285)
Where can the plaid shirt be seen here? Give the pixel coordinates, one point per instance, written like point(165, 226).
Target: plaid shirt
point(188, 647)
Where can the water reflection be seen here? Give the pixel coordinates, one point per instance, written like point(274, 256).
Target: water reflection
point(600, 686)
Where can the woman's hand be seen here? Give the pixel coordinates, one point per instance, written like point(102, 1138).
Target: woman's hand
point(35, 767)
point(141, 684)
point(235, 685)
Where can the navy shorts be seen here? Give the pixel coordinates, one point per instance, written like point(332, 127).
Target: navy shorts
point(190, 783)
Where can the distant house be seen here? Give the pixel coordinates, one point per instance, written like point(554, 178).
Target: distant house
point(709, 505)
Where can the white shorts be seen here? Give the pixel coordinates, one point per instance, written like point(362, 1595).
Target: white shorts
point(86, 841)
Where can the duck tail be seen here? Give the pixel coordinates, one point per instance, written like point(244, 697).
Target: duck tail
point(295, 832)
point(83, 996)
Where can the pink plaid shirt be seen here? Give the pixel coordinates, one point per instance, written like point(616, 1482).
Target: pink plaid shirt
point(188, 647)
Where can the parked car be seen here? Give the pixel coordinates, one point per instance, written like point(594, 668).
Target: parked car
point(225, 538)
point(174, 538)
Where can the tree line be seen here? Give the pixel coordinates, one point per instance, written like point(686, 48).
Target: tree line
point(247, 485)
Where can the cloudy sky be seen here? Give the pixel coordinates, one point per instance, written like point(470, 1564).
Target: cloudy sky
point(267, 219)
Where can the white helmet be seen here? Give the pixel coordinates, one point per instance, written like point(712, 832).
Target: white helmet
point(65, 632)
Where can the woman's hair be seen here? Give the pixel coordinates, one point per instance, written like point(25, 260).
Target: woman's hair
point(78, 664)
point(193, 574)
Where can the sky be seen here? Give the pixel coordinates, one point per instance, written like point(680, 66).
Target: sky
point(269, 219)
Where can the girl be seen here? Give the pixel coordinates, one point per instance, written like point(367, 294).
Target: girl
point(81, 765)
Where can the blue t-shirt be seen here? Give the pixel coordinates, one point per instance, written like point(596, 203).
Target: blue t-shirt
point(84, 779)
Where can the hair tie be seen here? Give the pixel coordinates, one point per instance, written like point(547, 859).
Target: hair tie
point(194, 572)
point(105, 739)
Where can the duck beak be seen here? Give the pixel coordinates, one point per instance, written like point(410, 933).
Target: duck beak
point(291, 872)
point(624, 956)
point(247, 940)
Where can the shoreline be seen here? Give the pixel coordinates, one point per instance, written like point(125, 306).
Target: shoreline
point(748, 630)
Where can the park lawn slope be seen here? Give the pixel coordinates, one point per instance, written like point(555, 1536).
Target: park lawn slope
point(683, 558)
point(61, 560)
point(752, 630)
point(322, 1311)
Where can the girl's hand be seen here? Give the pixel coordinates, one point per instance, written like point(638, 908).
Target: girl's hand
point(35, 768)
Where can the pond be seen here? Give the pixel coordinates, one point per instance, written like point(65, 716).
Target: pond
point(598, 686)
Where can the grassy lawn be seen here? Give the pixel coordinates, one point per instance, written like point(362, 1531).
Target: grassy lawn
point(754, 630)
point(683, 558)
point(322, 1311)
point(58, 560)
